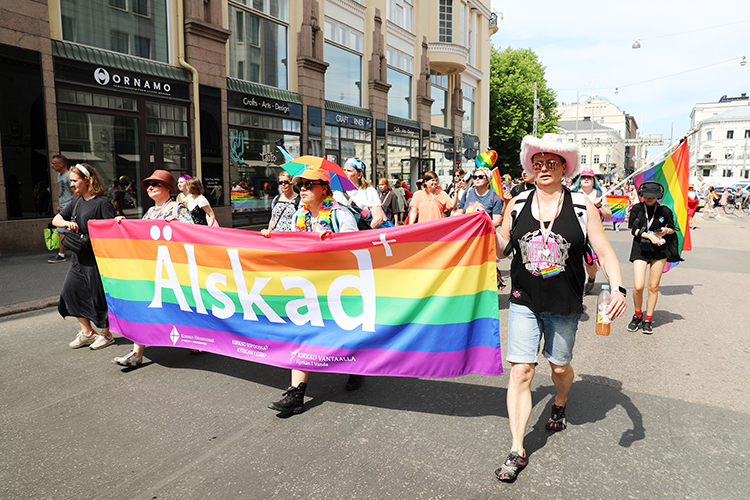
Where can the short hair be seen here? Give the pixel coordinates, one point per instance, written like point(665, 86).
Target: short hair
point(61, 157)
point(459, 171)
point(428, 176)
point(286, 174)
point(384, 180)
point(195, 186)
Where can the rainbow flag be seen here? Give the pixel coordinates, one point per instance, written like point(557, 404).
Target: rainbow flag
point(414, 301)
point(496, 182)
point(672, 173)
point(618, 205)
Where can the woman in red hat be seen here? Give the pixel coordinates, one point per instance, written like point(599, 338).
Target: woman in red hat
point(160, 188)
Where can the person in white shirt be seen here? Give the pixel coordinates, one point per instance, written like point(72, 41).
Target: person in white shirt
point(366, 196)
point(197, 204)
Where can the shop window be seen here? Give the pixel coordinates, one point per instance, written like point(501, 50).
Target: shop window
point(258, 46)
point(97, 100)
point(108, 25)
point(166, 119)
point(332, 137)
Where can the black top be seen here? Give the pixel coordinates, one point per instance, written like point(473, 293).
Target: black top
point(559, 293)
point(98, 207)
point(644, 218)
point(389, 203)
point(516, 190)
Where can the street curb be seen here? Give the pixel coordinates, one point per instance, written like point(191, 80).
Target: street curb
point(31, 305)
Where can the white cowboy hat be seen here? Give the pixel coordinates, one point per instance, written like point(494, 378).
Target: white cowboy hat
point(550, 143)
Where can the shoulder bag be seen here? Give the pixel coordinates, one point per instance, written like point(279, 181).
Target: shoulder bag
point(77, 242)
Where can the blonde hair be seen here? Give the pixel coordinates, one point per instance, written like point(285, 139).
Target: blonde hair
point(96, 184)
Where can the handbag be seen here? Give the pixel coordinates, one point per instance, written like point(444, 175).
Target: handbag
point(76, 242)
point(51, 238)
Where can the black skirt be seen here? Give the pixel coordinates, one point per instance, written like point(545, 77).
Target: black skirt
point(82, 294)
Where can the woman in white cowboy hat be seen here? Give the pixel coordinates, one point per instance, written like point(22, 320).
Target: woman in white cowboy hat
point(547, 234)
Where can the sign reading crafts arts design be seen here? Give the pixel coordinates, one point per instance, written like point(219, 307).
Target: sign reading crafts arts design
point(414, 301)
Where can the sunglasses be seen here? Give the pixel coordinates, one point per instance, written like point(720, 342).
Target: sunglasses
point(550, 164)
point(477, 177)
point(154, 184)
point(284, 183)
point(308, 185)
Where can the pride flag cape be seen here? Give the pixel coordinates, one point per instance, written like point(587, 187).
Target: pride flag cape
point(673, 174)
point(416, 301)
point(618, 205)
point(496, 182)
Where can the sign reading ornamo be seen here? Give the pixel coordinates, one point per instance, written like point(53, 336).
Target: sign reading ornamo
point(415, 301)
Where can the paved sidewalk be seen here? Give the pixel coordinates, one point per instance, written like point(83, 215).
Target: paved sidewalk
point(30, 282)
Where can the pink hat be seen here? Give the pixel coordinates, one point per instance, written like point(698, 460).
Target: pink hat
point(550, 143)
point(587, 172)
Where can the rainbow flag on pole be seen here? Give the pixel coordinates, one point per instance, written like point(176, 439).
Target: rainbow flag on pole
point(673, 174)
point(496, 183)
point(412, 301)
point(618, 205)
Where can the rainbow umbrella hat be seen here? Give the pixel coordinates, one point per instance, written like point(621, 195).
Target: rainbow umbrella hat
point(295, 166)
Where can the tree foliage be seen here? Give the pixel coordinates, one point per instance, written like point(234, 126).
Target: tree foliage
point(512, 77)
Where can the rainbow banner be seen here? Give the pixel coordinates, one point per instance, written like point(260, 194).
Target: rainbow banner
point(496, 183)
point(618, 205)
point(415, 301)
point(672, 173)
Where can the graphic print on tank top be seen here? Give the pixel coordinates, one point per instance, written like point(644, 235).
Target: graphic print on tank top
point(537, 256)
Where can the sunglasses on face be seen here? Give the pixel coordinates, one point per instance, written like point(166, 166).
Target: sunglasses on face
point(477, 177)
point(550, 164)
point(153, 184)
point(308, 185)
point(284, 183)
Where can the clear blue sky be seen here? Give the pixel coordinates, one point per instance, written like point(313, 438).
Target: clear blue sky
point(586, 47)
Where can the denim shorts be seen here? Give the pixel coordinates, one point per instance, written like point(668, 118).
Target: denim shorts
point(527, 328)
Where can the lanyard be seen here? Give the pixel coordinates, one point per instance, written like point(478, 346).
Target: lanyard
point(548, 231)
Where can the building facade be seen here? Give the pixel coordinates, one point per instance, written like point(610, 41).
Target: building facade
point(719, 148)
point(601, 129)
point(211, 88)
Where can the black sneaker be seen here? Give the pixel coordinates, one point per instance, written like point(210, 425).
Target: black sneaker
point(56, 259)
point(635, 323)
point(589, 286)
point(647, 328)
point(508, 472)
point(557, 420)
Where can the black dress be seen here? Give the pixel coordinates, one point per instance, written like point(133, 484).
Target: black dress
point(82, 293)
point(643, 218)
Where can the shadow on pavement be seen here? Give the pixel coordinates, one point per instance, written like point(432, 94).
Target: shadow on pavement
point(677, 289)
point(591, 398)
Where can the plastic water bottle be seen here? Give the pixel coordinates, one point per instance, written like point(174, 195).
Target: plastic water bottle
point(603, 322)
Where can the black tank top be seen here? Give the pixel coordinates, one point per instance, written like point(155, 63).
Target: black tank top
point(561, 292)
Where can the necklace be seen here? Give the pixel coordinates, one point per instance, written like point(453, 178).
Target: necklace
point(304, 219)
point(547, 231)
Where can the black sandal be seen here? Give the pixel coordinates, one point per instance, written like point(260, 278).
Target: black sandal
point(557, 421)
point(508, 472)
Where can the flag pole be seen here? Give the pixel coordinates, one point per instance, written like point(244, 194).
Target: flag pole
point(664, 154)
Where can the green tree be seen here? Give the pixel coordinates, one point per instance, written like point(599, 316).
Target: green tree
point(512, 77)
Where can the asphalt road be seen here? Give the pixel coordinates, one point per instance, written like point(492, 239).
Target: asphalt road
point(659, 416)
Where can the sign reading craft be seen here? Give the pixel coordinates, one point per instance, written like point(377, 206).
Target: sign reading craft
point(109, 78)
point(346, 120)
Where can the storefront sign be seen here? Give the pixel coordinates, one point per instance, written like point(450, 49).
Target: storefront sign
point(345, 120)
point(255, 103)
point(116, 79)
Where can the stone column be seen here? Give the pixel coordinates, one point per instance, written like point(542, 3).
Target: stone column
point(311, 68)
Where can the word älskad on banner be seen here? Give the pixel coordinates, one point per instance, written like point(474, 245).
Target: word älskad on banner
point(416, 301)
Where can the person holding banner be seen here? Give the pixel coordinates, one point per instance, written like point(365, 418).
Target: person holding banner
point(320, 213)
point(546, 234)
point(82, 293)
point(654, 243)
point(283, 206)
point(160, 188)
point(588, 184)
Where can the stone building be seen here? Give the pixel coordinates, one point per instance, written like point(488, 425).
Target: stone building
point(211, 87)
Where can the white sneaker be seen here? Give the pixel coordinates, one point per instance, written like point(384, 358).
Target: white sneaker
point(82, 340)
point(102, 341)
